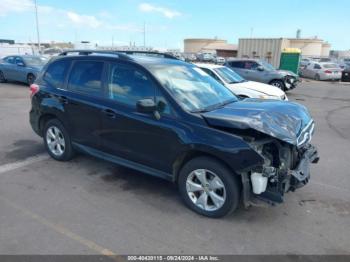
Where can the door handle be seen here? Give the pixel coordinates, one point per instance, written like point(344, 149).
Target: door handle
point(109, 113)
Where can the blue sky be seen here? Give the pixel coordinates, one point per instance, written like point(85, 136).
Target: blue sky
point(169, 22)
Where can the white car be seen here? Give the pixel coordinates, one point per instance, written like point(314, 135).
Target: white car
point(322, 71)
point(241, 87)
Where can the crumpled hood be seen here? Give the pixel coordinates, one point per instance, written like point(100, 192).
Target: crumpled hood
point(279, 119)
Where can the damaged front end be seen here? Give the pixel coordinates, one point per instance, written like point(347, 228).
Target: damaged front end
point(280, 132)
point(286, 168)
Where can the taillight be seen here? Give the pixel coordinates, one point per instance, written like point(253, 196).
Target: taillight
point(328, 72)
point(34, 88)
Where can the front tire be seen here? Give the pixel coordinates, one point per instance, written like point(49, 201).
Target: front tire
point(208, 187)
point(279, 84)
point(57, 141)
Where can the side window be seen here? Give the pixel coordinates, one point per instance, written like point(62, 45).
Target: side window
point(213, 75)
point(128, 84)
point(317, 66)
point(18, 60)
point(236, 64)
point(56, 73)
point(10, 60)
point(86, 77)
point(251, 65)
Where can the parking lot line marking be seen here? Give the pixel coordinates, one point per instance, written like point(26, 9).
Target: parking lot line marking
point(31, 160)
point(62, 230)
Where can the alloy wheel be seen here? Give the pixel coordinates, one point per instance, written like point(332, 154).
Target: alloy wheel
point(206, 190)
point(55, 141)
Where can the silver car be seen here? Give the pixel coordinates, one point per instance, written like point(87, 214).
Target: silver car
point(322, 71)
point(261, 71)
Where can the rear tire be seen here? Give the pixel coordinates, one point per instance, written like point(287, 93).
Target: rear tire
point(279, 84)
point(30, 79)
point(317, 77)
point(2, 77)
point(208, 187)
point(57, 141)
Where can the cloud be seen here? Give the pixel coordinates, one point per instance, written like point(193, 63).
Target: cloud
point(148, 8)
point(17, 6)
point(84, 20)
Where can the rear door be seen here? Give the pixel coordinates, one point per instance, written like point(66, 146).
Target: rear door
point(20, 70)
point(84, 101)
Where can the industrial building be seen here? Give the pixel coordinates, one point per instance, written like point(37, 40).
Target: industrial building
point(215, 46)
point(270, 49)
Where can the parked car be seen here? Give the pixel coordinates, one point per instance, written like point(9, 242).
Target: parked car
point(190, 57)
point(241, 87)
point(168, 118)
point(21, 68)
point(220, 60)
point(205, 57)
point(322, 71)
point(304, 62)
point(261, 71)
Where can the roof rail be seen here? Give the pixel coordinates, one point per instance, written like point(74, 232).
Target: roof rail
point(145, 53)
point(91, 52)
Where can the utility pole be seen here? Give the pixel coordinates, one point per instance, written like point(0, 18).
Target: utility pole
point(251, 32)
point(144, 34)
point(37, 25)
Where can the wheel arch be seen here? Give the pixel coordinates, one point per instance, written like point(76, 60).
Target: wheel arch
point(192, 154)
point(45, 118)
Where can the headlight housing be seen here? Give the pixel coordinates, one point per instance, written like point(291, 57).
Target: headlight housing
point(269, 97)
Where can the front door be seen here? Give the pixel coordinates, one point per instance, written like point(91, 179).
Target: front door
point(134, 136)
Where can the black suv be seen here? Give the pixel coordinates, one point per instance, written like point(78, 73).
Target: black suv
point(169, 119)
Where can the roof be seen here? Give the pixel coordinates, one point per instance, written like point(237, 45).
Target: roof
point(209, 66)
point(221, 46)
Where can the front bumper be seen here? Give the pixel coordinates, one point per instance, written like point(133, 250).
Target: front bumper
point(291, 82)
point(283, 181)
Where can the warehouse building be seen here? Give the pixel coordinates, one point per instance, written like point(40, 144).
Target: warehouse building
point(270, 49)
point(215, 46)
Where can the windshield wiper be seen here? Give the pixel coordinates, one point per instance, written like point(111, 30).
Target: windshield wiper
point(213, 107)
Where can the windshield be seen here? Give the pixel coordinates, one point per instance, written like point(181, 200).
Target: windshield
point(267, 66)
point(229, 75)
point(192, 88)
point(34, 61)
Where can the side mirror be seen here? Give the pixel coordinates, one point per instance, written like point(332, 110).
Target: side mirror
point(20, 64)
point(260, 68)
point(146, 106)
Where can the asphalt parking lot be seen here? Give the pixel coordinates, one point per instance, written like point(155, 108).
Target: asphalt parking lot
point(88, 206)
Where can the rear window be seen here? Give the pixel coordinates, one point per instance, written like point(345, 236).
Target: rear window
point(56, 73)
point(330, 66)
point(237, 64)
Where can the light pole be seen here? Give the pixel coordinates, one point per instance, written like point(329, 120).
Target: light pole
point(37, 25)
